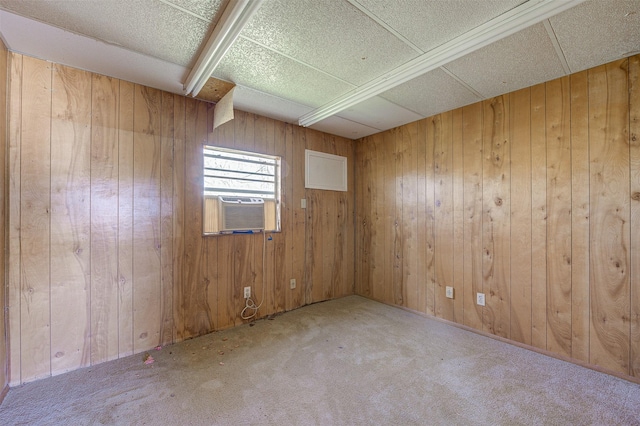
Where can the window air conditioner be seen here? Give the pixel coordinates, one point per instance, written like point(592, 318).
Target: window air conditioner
point(241, 214)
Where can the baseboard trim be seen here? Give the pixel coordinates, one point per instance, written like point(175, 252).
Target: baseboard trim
point(518, 344)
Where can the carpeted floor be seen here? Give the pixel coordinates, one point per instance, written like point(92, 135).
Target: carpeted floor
point(350, 361)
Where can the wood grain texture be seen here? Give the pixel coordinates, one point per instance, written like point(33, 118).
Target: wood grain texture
point(472, 132)
point(397, 291)
point(421, 238)
point(634, 160)
point(178, 217)
point(558, 132)
point(579, 217)
point(521, 216)
point(458, 216)
point(14, 134)
point(146, 219)
point(35, 212)
point(410, 216)
point(125, 218)
point(104, 217)
point(4, 195)
point(70, 219)
point(166, 217)
point(378, 219)
point(538, 218)
point(429, 213)
point(610, 215)
point(443, 217)
point(496, 218)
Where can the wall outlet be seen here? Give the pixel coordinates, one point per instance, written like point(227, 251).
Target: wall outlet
point(247, 292)
point(449, 292)
point(292, 283)
point(480, 299)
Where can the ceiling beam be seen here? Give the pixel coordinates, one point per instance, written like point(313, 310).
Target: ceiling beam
point(518, 18)
point(236, 15)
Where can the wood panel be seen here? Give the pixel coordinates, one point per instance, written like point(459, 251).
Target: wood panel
point(472, 132)
point(496, 218)
point(14, 142)
point(521, 216)
point(410, 216)
point(429, 213)
point(458, 217)
point(610, 215)
point(106, 252)
point(558, 132)
point(147, 295)
point(538, 218)
point(421, 237)
point(35, 209)
point(378, 219)
point(634, 140)
point(103, 225)
point(4, 202)
point(579, 217)
point(125, 218)
point(443, 217)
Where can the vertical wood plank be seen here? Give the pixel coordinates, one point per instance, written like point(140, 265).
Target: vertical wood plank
point(35, 221)
point(4, 216)
point(397, 291)
point(429, 214)
point(270, 261)
point(496, 218)
point(14, 264)
point(314, 234)
point(538, 218)
point(558, 216)
point(125, 218)
point(279, 239)
point(610, 215)
point(378, 220)
point(410, 215)
point(210, 249)
point(179, 224)
point(389, 155)
point(146, 219)
point(580, 216)
point(443, 228)
point(104, 218)
point(296, 249)
point(634, 141)
point(421, 142)
point(166, 217)
point(521, 216)
point(346, 221)
point(472, 132)
point(458, 217)
point(363, 208)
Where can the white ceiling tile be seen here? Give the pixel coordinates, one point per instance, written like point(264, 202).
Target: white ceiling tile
point(43, 41)
point(379, 113)
point(523, 59)
point(256, 102)
point(332, 36)
point(430, 23)
point(597, 32)
point(431, 93)
point(150, 27)
point(253, 66)
point(206, 9)
point(345, 128)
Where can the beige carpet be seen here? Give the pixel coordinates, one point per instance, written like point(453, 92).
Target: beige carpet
point(350, 361)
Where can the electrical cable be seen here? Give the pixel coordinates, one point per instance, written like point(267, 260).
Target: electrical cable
point(250, 305)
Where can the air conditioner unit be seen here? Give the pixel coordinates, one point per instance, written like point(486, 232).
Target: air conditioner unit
point(241, 214)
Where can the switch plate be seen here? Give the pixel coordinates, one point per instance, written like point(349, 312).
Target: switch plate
point(303, 203)
point(480, 299)
point(247, 292)
point(449, 292)
point(292, 283)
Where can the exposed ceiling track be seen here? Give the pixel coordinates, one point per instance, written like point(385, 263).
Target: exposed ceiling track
point(235, 16)
point(518, 18)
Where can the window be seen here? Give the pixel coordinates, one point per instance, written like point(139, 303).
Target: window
point(241, 191)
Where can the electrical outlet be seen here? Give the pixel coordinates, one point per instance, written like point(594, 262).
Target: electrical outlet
point(292, 283)
point(247, 292)
point(449, 292)
point(480, 299)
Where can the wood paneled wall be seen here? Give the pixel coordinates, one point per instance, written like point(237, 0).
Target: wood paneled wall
point(4, 354)
point(532, 198)
point(106, 253)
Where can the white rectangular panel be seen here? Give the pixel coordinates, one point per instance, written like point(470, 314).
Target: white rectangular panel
point(325, 171)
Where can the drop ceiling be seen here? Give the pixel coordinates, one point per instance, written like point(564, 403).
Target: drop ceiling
point(294, 57)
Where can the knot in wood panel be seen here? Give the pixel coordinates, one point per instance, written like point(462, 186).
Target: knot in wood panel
point(636, 196)
point(498, 201)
